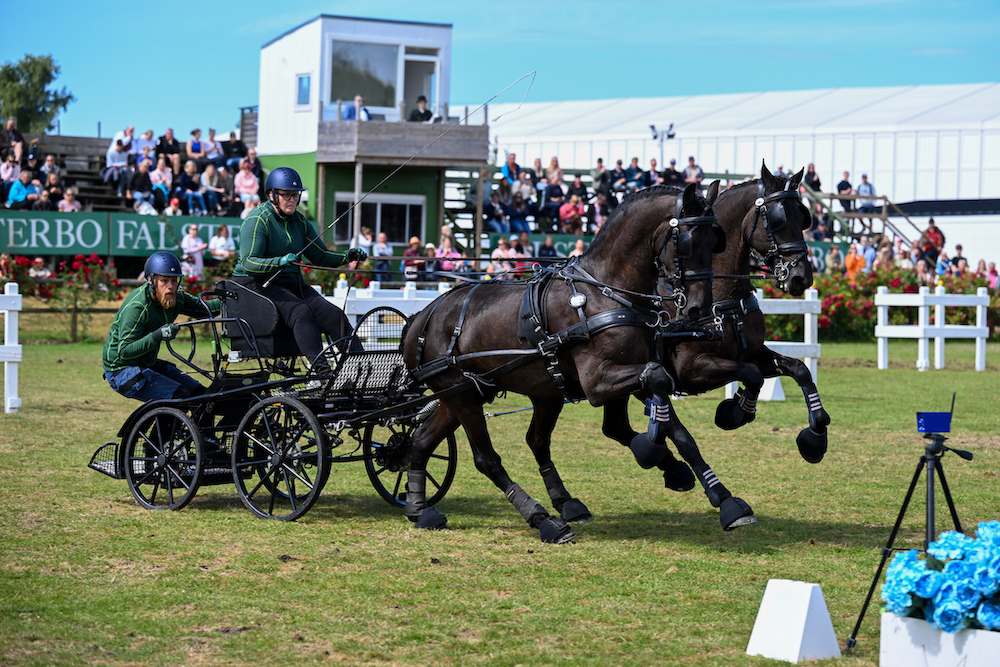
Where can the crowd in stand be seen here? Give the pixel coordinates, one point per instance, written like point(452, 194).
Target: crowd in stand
point(217, 178)
point(542, 200)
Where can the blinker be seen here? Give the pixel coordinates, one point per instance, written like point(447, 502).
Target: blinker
point(685, 245)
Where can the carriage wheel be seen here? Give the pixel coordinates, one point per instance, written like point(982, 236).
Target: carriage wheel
point(163, 459)
point(280, 459)
point(387, 460)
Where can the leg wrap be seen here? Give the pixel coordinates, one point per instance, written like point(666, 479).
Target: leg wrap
point(749, 405)
point(659, 412)
point(529, 508)
point(416, 493)
point(554, 485)
point(714, 489)
point(812, 397)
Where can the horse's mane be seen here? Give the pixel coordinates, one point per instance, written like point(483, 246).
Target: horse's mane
point(618, 216)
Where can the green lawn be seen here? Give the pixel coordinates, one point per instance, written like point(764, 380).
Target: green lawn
point(88, 577)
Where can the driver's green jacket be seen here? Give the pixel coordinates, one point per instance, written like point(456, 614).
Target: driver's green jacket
point(130, 341)
point(266, 236)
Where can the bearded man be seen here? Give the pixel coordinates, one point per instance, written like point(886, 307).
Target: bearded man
point(144, 320)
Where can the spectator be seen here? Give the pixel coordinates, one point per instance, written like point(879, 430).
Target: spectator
point(958, 253)
point(431, 264)
point(868, 252)
point(364, 240)
point(255, 165)
point(170, 149)
point(819, 216)
point(23, 194)
point(634, 176)
point(694, 174)
point(517, 214)
point(356, 111)
point(578, 188)
point(195, 149)
point(116, 172)
point(538, 178)
point(845, 188)
point(812, 178)
point(524, 187)
point(162, 179)
point(11, 139)
point(421, 114)
point(447, 255)
point(527, 249)
point(69, 203)
point(598, 212)
point(502, 255)
point(413, 262)
point(510, 169)
point(174, 208)
point(145, 155)
point(548, 248)
point(618, 177)
point(494, 215)
point(128, 144)
point(672, 177)
point(553, 167)
point(146, 140)
point(227, 198)
point(653, 176)
point(571, 216)
point(221, 246)
point(578, 248)
point(39, 270)
point(503, 188)
point(943, 265)
point(211, 190)
point(54, 187)
point(866, 189)
point(10, 171)
point(883, 259)
point(981, 271)
point(50, 167)
point(213, 150)
point(822, 232)
point(34, 154)
point(931, 242)
point(190, 184)
point(44, 202)
point(924, 273)
point(993, 277)
point(853, 263)
point(834, 261)
point(194, 253)
point(959, 266)
point(246, 184)
point(140, 187)
point(600, 179)
point(235, 152)
point(380, 252)
point(554, 197)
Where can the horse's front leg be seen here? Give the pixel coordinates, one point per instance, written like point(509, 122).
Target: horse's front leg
point(811, 441)
point(741, 409)
point(539, 438)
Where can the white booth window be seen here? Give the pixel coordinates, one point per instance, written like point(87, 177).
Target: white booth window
point(366, 69)
point(302, 88)
point(398, 216)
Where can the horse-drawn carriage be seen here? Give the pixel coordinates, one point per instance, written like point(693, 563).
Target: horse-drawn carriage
point(268, 426)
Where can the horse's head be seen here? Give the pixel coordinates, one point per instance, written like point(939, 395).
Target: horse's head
point(684, 257)
point(776, 224)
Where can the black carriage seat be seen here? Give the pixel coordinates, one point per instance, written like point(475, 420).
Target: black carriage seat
point(274, 338)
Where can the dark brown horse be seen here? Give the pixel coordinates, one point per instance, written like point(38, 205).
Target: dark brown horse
point(595, 321)
point(763, 217)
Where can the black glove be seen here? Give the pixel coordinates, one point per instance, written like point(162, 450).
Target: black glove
point(166, 332)
point(356, 255)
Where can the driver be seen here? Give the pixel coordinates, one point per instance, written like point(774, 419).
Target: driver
point(143, 321)
point(272, 238)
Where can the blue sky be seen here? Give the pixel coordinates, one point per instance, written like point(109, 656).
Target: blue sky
point(193, 63)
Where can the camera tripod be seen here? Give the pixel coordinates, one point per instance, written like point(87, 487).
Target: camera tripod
point(930, 461)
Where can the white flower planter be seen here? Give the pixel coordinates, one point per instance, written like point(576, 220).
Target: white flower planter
point(911, 641)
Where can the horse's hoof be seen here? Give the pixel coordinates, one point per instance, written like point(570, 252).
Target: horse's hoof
point(735, 513)
point(555, 531)
point(678, 477)
point(812, 445)
point(432, 519)
point(647, 453)
point(574, 511)
point(730, 415)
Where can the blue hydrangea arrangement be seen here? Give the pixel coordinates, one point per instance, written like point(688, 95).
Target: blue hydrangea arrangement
point(957, 586)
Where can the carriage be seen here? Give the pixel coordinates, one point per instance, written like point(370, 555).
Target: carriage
point(267, 426)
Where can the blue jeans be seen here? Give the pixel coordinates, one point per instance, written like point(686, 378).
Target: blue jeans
point(162, 380)
point(233, 164)
point(498, 226)
point(192, 198)
point(213, 200)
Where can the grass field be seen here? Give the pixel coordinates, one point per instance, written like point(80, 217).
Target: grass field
point(87, 577)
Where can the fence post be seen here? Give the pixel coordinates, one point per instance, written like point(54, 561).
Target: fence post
point(881, 320)
point(923, 320)
point(10, 351)
point(981, 323)
point(939, 318)
point(811, 331)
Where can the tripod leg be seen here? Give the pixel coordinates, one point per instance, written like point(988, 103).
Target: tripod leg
point(947, 497)
point(886, 551)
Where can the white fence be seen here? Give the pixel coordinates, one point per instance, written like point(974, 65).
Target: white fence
point(10, 351)
point(808, 350)
point(359, 300)
point(924, 330)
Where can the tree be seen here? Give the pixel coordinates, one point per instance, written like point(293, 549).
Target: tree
point(24, 93)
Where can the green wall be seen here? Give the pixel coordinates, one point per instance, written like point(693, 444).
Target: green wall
point(305, 165)
point(410, 181)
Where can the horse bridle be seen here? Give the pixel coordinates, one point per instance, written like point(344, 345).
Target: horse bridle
point(769, 209)
point(683, 245)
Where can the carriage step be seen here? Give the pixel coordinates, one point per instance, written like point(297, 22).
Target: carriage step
point(105, 460)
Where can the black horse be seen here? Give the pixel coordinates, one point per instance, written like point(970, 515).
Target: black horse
point(765, 218)
point(604, 309)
